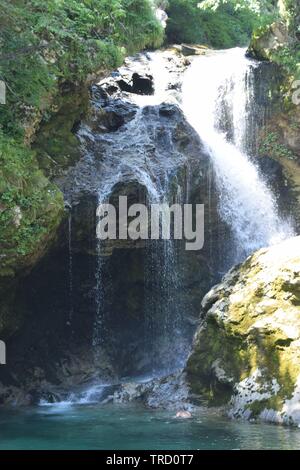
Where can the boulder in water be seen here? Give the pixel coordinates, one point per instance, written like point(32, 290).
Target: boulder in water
point(170, 392)
point(247, 349)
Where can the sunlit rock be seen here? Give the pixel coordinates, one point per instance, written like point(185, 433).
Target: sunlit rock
point(247, 349)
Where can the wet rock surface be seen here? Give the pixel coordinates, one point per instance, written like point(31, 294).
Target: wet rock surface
point(171, 392)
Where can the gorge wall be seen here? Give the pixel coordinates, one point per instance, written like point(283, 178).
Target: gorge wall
point(279, 44)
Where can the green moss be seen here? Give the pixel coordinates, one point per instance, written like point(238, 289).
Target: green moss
point(217, 344)
point(272, 146)
point(247, 333)
point(48, 50)
point(239, 357)
point(55, 143)
point(286, 54)
point(47, 44)
point(258, 406)
point(31, 207)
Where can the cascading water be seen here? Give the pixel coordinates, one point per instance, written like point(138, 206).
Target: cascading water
point(125, 151)
point(149, 157)
point(70, 249)
point(217, 100)
point(99, 298)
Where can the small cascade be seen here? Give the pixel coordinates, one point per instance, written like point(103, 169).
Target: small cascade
point(97, 339)
point(86, 396)
point(218, 102)
point(70, 250)
point(133, 155)
point(164, 316)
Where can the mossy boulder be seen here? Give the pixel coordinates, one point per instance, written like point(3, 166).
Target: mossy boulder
point(246, 351)
point(55, 143)
point(267, 40)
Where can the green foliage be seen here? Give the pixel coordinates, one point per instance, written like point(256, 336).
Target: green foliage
point(218, 23)
point(289, 58)
point(286, 55)
point(290, 13)
point(29, 205)
point(43, 44)
point(273, 147)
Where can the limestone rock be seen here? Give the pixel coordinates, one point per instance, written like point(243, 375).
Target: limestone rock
point(265, 44)
point(187, 49)
point(171, 392)
point(246, 351)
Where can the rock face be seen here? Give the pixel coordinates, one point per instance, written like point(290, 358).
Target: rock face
point(189, 50)
point(279, 136)
point(246, 351)
point(280, 141)
point(171, 392)
point(264, 45)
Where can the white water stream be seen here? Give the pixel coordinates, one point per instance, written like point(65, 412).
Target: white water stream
point(215, 83)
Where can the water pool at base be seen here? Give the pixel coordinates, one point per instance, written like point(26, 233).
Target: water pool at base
point(113, 427)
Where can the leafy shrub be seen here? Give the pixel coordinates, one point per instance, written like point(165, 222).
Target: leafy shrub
point(44, 44)
point(218, 23)
point(29, 205)
point(272, 146)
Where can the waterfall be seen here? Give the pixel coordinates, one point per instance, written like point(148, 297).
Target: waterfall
point(129, 151)
point(97, 338)
point(218, 98)
point(70, 250)
point(164, 309)
point(218, 101)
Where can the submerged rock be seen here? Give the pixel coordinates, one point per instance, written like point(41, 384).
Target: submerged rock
point(170, 392)
point(246, 351)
